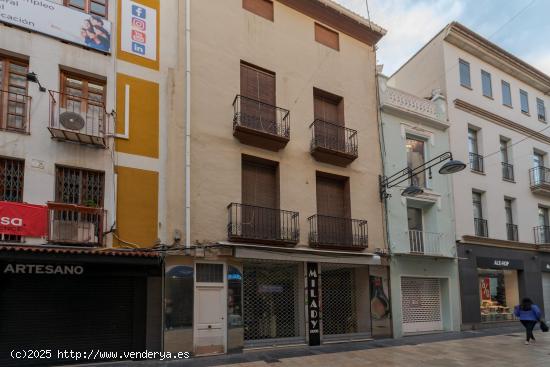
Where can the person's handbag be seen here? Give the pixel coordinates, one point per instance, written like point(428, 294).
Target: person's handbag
point(543, 326)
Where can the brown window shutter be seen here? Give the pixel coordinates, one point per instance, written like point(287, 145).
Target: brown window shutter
point(263, 8)
point(327, 37)
point(331, 197)
point(259, 184)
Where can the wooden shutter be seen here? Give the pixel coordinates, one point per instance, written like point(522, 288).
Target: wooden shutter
point(327, 37)
point(257, 84)
point(259, 186)
point(263, 8)
point(326, 109)
point(331, 197)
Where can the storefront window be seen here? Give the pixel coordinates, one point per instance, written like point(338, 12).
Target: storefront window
point(498, 294)
point(179, 297)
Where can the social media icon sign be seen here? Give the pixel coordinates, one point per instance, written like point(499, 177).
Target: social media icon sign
point(138, 48)
point(138, 36)
point(139, 24)
point(138, 11)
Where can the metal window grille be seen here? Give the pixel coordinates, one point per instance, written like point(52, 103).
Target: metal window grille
point(338, 300)
point(271, 301)
point(209, 273)
point(11, 187)
point(79, 186)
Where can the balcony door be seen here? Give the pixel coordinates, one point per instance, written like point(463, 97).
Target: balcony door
point(258, 109)
point(260, 198)
point(329, 114)
point(544, 223)
point(416, 234)
point(538, 164)
point(416, 157)
point(333, 209)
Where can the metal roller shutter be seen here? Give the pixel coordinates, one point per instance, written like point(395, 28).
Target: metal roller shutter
point(78, 313)
point(421, 304)
point(546, 294)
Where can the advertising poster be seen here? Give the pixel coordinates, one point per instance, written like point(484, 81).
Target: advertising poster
point(58, 21)
point(139, 30)
point(23, 219)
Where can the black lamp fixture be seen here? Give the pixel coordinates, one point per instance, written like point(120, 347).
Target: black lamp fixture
point(32, 77)
point(451, 166)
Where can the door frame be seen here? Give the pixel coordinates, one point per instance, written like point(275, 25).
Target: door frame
point(195, 300)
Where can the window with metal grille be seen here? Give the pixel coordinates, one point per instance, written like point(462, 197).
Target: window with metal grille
point(79, 186)
point(209, 273)
point(97, 7)
point(13, 94)
point(11, 187)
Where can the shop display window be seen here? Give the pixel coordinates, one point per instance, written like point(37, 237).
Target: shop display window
point(498, 294)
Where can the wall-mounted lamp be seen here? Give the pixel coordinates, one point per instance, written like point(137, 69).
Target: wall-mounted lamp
point(32, 77)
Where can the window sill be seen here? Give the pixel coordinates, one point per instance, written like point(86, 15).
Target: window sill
point(466, 86)
point(526, 113)
point(507, 180)
point(543, 121)
point(508, 105)
point(478, 172)
point(489, 97)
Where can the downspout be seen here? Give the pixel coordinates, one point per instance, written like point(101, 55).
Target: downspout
point(187, 124)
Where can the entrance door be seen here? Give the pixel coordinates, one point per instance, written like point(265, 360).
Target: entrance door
point(210, 306)
point(546, 294)
point(421, 304)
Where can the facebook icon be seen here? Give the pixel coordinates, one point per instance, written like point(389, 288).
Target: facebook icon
point(138, 11)
point(138, 48)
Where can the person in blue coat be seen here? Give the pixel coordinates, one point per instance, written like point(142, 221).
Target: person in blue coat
point(528, 314)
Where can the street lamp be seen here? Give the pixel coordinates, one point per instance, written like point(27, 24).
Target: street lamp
point(450, 167)
point(33, 78)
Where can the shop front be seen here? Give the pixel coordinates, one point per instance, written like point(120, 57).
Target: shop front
point(545, 278)
point(78, 300)
point(493, 280)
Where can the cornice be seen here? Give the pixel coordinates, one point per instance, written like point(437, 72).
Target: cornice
point(494, 242)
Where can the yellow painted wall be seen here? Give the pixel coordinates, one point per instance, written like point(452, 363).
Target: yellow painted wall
point(137, 207)
point(144, 117)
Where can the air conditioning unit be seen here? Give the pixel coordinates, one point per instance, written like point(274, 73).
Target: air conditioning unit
point(73, 231)
point(71, 120)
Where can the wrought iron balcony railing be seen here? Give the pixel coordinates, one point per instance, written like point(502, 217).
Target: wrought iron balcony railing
point(542, 234)
point(77, 119)
point(251, 223)
point(476, 162)
point(75, 224)
point(427, 243)
point(539, 176)
point(512, 232)
point(15, 112)
point(481, 227)
point(334, 232)
point(507, 171)
point(333, 143)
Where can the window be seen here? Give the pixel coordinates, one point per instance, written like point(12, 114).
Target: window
point(179, 296)
point(13, 95)
point(209, 273)
point(538, 159)
point(415, 225)
point(11, 187)
point(464, 68)
point(480, 224)
point(524, 99)
point(541, 110)
point(542, 232)
point(506, 94)
point(504, 150)
point(499, 292)
point(79, 186)
point(96, 7)
point(476, 160)
point(486, 84)
point(415, 158)
point(84, 95)
point(508, 211)
point(507, 168)
point(472, 141)
point(258, 109)
point(511, 228)
point(539, 174)
point(263, 8)
point(327, 37)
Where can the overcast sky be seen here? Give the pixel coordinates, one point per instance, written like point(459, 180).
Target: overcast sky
point(521, 27)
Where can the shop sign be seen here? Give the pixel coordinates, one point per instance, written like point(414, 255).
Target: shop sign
point(268, 288)
point(23, 219)
point(56, 20)
point(41, 269)
point(499, 263)
point(313, 303)
point(545, 266)
point(139, 30)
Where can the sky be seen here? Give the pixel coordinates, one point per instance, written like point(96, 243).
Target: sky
point(521, 27)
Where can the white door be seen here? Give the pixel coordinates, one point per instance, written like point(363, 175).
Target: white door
point(546, 294)
point(210, 309)
point(421, 304)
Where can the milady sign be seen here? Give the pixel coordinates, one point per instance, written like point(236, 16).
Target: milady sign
point(43, 269)
point(313, 303)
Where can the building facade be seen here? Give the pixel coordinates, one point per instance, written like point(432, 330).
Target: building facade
point(81, 105)
point(497, 112)
point(284, 212)
point(421, 240)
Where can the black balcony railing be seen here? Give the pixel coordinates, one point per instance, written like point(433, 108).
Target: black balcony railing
point(542, 234)
point(507, 171)
point(539, 176)
point(512, 232)
point(333, 137)
point(259, 224)
point(476, 162)
point(262, 117)
point(481, 227)
point(335, 232)
point(15, 112)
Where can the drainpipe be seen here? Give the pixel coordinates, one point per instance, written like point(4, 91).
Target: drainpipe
point(187, 124)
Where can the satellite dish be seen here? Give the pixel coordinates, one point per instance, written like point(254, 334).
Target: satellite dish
point(71, 120)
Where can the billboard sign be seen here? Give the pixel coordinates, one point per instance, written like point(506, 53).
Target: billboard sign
point(21, 219)
point(138, 34)
point(58, 21)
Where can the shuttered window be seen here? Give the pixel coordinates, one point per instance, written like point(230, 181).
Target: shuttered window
point(327, 37)
point(257, 84)
point(259, 184)
point(263, 8)
point(79, 186)
point(328, 107)
point(333, 196)
point(13, 94)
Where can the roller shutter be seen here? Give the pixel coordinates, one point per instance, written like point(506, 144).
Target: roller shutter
point(421, 304)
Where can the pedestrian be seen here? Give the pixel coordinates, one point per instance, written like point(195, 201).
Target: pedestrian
point(528, 314)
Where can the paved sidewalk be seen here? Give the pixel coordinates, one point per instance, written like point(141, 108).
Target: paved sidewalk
point(501, 347)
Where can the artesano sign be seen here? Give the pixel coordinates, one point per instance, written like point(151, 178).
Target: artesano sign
point(58, 21)
point(43, 269)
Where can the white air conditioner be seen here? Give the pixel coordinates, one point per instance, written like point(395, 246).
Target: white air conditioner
point(73, 231)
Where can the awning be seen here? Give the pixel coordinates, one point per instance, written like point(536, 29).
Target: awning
point(253, 251)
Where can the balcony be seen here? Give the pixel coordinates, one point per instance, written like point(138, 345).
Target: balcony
point(476, 163)
point(15, 112)
point(542, 235)
point(481, 227)
point(249, 223)
point(333, 143)
point(507, 172)
point(539, 178)
point(337, 233)
point(77, 120)
point(260, 124)
point(71, 224)
point(425, 243)
point(512, 232)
